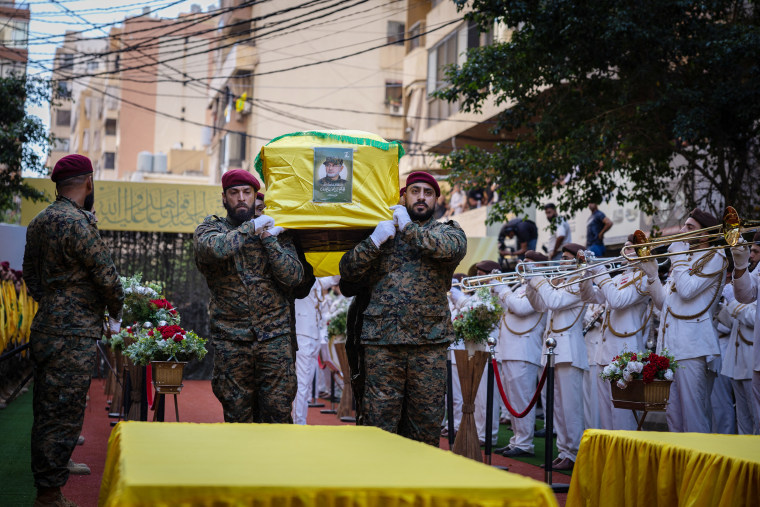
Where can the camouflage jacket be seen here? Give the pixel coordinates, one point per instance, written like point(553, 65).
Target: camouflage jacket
point(410, 276)
point(69, 271)
point(250, 279)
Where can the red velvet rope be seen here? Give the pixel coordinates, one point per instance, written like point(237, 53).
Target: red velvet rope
point(504, 396)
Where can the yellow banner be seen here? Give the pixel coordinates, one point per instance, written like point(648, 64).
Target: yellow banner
point(145, 207)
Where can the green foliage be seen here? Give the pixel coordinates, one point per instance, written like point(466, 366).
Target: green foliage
point(633, 101)
point(337, 323)
point(19, 134)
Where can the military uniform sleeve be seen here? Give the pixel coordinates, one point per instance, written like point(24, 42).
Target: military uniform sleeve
point(621, 297)
point(657, 291)
point(558, 299)
point(96, 257)
point(535, 298)
point(522, 307)
point(591, 293)
point(283, 259)
point(359, 261)
point(212, 243)
point(447, 243)
point(31, 273)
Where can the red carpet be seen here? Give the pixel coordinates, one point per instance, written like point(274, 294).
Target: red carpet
point(198, 404)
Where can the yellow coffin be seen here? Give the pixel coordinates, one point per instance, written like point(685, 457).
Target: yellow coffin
point(330, 187)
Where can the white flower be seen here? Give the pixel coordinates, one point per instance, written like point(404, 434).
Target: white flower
point(627, 375)
point(611, 369)
point(128, 290)
point(622, 384)
point(668, 374)
point(161, 344)
point(635, 366)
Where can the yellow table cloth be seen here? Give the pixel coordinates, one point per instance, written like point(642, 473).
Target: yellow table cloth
point(161, 464)
point(626, 468)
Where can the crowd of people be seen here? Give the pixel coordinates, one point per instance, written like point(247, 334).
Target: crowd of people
point(268, 315)
point(702, 310)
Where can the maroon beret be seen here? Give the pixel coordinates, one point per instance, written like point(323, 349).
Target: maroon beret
point(573, 248)
point(423, 177)
point(534, 256)
point(237, 177)
point(259, 196)
point(488, 266)
point(705, 219)
point(402, 192)
point(70, 166)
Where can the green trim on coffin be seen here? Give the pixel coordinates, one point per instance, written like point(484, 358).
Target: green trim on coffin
point(382, 145)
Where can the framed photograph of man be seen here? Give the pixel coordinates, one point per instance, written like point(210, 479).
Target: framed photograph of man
point(333, 174)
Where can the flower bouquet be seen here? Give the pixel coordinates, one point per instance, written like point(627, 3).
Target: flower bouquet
point(642, 377)
point(478, 318)
point(167, 342)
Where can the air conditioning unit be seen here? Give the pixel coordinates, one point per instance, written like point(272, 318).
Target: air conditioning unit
point(396, 109)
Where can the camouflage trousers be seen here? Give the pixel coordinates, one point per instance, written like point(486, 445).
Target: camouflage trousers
point(62, 369)
point(255, 381)
point(404, 389)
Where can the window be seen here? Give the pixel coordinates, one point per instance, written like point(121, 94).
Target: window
point(415, 39)
point(396, 31)
point(452, 50)
point(86, 140)
point(393, 96)
point(110, 127)
point(87, 107)
point(93, 65)
point(63, 117)
point(109, 160)
point(232, 148)
point(68, 61)
point(64, 90)
point(60, 145)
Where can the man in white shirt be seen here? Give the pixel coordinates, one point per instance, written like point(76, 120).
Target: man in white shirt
point(519, 348)
point(559, 231)
point(566, 327)
point(686, 324)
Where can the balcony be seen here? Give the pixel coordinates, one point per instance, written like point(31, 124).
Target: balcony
point(241, 59)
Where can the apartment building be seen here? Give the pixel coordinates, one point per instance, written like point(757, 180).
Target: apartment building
point(14, 37)
point(271, 74)
point(130, 99)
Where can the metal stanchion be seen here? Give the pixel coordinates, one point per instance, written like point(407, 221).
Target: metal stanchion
point(314, 403)
point(489, 400)
point(450, 400)
point(551, 343)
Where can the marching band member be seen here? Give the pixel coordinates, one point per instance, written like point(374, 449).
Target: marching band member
point(519, 348)
point(625, 326)
point(487, 267)
point(721, 401)
point(457, 300)
point(592, 337)
point(686, 328)
point(746, 287)
point(566, 326)
point(737, 361)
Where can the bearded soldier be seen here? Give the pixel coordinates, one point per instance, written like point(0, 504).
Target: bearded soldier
point(69, 272)
point(408, 262)
point(251, 273)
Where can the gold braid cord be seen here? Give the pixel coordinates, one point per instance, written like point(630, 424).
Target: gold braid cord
point(551, 322)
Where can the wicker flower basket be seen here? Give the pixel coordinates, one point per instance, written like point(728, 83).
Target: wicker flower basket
point(167, 375)
point(654, 394)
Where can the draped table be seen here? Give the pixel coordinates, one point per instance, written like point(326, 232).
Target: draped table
point(626, 468)
point(279, 464)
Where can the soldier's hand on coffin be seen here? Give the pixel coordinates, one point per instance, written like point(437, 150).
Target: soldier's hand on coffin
point(272, 231)
point(650, 268)
point(740, 254)
point(383, 232)
point(262, 222)
point(400, 216)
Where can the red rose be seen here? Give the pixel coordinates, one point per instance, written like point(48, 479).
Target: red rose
point(150, 333)
point(129, 329)
point(168, 332)
point(178, 338)
point(162, 304)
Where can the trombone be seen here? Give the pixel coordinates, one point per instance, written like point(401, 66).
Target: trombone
point(730, 230)
point(524, 270)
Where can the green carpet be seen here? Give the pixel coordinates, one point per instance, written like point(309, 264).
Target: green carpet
point(15, 452)
point(539, 443)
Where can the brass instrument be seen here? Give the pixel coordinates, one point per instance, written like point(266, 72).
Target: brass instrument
point(729, 231)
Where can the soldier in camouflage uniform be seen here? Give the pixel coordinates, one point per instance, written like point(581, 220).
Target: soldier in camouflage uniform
point(251, 273)
point(69, 271)
point(406, 330)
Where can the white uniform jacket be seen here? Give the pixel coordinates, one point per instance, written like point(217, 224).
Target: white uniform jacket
point(629, 312)
point(309, 314)
point(689, 301)
point(746, 290)
point(737, 360)
point(565, 323)
point(521, 329)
